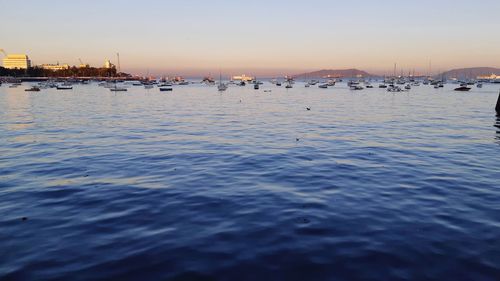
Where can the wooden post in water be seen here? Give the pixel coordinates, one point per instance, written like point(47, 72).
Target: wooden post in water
point(497, 108)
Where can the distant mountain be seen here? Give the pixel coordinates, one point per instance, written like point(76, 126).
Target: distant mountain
point(471, 72)
point(334, 73)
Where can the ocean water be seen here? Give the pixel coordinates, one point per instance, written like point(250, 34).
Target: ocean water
point(249, 185)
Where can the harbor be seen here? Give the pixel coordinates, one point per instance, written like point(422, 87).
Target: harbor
point(259, 140)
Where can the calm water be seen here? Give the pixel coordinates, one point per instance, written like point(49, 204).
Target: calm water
point(197, 185)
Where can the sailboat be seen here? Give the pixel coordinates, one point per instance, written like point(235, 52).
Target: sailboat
point(222, 86)
point(117, 89)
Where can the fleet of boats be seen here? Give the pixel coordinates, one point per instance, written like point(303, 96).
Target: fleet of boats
point(395, 84)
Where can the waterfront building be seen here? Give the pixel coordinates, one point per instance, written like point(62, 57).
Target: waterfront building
point(243, 78)
point(489, 77)
point(16, 61)
point(55, 67)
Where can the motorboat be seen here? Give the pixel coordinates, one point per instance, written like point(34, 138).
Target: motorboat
point(479, 85)
point(463, 89)
point(356, 88)
point(382, 86)
point(394, 89)
point(33, 89)
point(256, 86)
point(352, 83)
point(64, 87)
point(323, 86)
point(407, 87)
point(118, 89)
point(165, 89)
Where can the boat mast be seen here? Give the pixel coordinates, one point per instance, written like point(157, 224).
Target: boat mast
point(118, 59)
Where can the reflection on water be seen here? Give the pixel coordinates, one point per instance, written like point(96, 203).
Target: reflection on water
point(497, 125)
point(248, 185)
point(17, 107)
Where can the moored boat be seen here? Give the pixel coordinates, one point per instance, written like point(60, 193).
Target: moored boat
point(33, 89)
point(463, 89)
point(64, 87)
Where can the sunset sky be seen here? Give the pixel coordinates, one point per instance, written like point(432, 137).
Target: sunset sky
point(195, 37)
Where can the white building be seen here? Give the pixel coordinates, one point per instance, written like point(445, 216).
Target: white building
point(489, 77)
point(242, 78)
point(16, 61)
point(108, 64)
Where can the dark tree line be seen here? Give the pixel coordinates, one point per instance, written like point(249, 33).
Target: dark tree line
point(71, 72)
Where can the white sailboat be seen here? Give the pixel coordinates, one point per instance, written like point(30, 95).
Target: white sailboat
point(222, 86)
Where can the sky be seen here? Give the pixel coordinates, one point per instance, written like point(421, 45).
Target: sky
point(197, 37)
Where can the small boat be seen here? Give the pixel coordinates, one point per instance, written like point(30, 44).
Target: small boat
point(307, 85)
point(352, 83)
point(165, 89)
point(33, 89)
point(408, 87)
point(394, 89)
point(289, 85)
point(115, 88)
point(165, 85)
point(148, 86)
point(222, 86)
point(323, 86)
point(118, 89)
point(382, 86)
point(256, 86)
point(368, 86)
point(463, 89)
point(356, 87)
point(64, 87)
point(479, 85)
point(278, 84)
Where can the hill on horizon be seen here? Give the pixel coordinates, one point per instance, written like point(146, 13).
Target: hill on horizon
point(334, 73)
point(470, 72)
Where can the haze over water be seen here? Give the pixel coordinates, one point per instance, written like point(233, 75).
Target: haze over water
point(249, 185)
